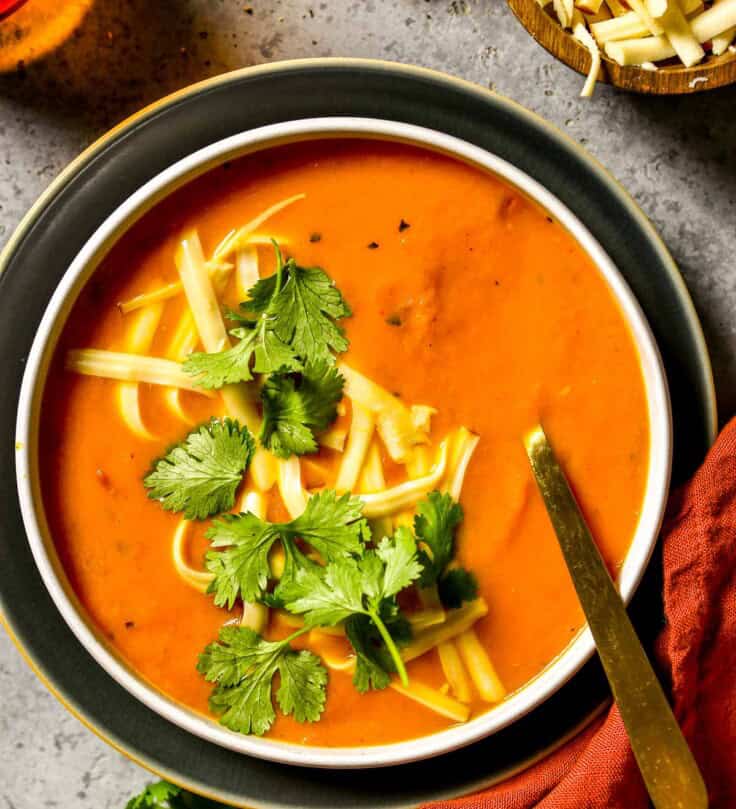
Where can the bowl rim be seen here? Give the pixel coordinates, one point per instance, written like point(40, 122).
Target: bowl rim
point(531, 694)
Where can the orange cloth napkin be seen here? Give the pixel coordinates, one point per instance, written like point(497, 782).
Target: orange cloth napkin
point(697, 656)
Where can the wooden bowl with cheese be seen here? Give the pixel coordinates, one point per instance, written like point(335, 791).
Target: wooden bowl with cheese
point(661, 47)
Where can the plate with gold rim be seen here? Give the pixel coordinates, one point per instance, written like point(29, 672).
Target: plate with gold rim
point(92, 188)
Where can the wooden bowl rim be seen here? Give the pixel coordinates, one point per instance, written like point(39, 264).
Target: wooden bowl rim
point(714, 72)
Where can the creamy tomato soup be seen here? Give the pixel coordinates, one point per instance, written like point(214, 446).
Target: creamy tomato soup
point(473, 316)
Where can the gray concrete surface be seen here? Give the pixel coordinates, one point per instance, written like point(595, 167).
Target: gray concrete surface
point(677, 157)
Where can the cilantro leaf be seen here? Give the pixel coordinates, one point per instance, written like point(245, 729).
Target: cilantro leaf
point(332, 525)
point(372, 668)
point(326, 596)
point(435, 525)
point(306, 308)
point(295, 311)
point(242, 665)
point(262, 292)
point(239, 559)
point(201, 474)
point(161, 795)
point(293, 410)
point(258, 343)
point(302, 689)
point(456, 586)
point(294, 560)
point(374, 664)
point(367, 587)
point(436, 520)
point(401, 562)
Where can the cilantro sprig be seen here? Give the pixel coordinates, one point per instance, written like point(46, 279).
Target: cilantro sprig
point(201, 474)
point(294, 322)
point(242, 665)
point(295, 408)
point(305, 308)
point(259, 344)
point(367, 587)
point(331, 524)
point(287, 329)
point(161, 795)
point(435, 525)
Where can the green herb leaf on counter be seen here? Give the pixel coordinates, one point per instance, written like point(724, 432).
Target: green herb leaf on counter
point(161, 795)
point(201, 474)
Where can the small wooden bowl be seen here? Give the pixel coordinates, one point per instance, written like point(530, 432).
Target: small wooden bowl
point(714, 71)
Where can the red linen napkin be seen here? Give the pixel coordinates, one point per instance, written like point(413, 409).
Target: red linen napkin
point(696, 653)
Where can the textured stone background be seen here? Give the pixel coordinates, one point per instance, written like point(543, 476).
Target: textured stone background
point(677, 157)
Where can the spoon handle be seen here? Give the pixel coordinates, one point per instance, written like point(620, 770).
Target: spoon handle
point(669, 770)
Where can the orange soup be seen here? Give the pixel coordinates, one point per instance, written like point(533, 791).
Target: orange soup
point(450, 315)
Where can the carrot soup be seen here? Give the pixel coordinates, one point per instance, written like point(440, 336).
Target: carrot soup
point(281, 441)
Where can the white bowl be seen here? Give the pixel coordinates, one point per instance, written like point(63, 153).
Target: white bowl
point(517, 704)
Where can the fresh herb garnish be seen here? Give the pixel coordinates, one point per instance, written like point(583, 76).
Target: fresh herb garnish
point(435, 524)
point(331, 525)
point(287, 327)
point(348, 588)
point(374, 664)
point(260, 349)
point(295, 408)
point(457, 586)
point(243, 665)
point(201, 474)
point(258, 342)
point(161, 795)
point(305, 309)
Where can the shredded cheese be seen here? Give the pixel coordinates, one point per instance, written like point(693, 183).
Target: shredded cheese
point(359, 439)
point(235, 238)
point(131, 368)
point(139, 340)
point(722, 42)
point(454, 671)
point(711, 23)
point(458, 621)
point(199, 579)
point(290, 486)
point(389, 501)
point(182, 344)
point(479, 665)
point(680, 35)
point(581, 33)
point(644, 32)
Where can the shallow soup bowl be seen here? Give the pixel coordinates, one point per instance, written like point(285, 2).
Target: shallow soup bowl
point(557, 672)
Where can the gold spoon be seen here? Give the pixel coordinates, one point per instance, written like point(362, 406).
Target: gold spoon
point(669, 770)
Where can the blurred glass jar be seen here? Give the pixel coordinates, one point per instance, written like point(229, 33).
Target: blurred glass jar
point(29, 29)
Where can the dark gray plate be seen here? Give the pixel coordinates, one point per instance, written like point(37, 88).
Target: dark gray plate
point(102, 178)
